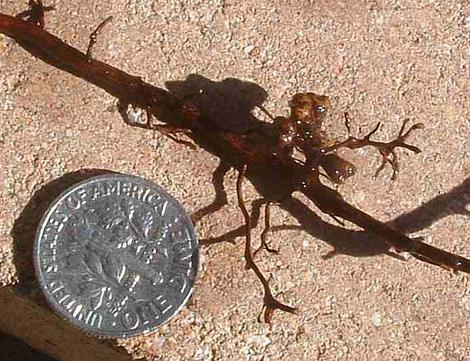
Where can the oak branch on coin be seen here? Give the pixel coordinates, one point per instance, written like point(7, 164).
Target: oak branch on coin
point(264, 153)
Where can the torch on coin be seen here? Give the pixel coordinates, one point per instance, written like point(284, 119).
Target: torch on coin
point(116, 255)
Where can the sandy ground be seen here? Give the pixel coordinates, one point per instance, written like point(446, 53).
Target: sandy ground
point(379, 60)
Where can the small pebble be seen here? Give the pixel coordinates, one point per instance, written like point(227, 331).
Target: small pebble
point(248, 49)
point(259, 340)
point(376, 319)
point(466, 22)
point(159, 341)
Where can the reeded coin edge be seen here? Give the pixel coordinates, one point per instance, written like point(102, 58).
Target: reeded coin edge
point(45, 218)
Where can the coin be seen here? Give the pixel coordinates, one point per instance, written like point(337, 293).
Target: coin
point(116, 255)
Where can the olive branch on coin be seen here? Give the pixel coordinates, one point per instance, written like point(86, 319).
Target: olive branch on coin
point(103, 277)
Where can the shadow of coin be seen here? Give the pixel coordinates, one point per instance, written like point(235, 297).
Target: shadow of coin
point(25, 226)
point(15, 349)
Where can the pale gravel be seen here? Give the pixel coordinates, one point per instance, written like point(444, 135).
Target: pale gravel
point(378, 60)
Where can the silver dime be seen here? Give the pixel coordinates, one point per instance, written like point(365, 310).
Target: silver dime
point(116, 255)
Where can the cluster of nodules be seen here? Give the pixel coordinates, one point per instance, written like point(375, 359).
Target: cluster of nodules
point(302, 131)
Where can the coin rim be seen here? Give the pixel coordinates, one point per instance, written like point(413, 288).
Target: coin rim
point(51, 300)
